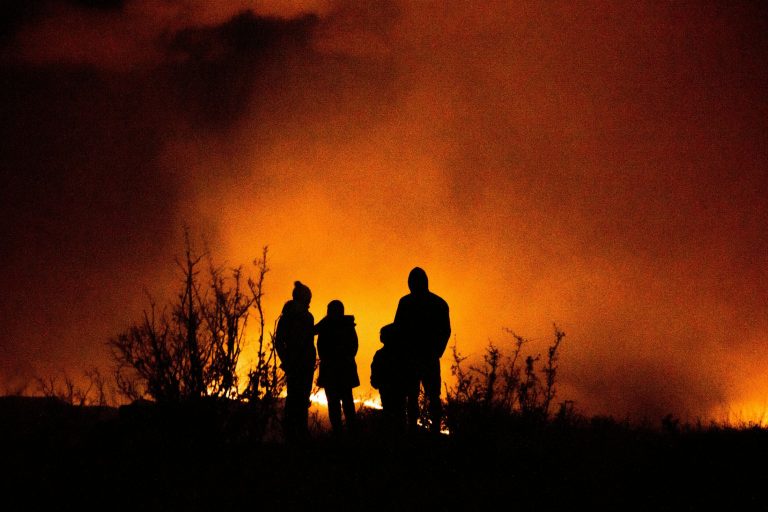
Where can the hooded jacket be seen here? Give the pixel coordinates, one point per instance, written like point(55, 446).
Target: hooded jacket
point(295, 337)
point(337, 347)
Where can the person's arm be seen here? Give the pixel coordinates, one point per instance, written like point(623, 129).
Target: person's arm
point(309, 331)
point(354, 341)
point(400, 313)
point(445, 329)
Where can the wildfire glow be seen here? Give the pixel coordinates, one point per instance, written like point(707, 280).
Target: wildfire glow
point(320, 399)
point(597, 165)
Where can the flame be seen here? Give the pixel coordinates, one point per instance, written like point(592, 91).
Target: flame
point(748, 413)
point(319, 398)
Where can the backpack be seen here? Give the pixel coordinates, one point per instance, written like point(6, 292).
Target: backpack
point(282, 335)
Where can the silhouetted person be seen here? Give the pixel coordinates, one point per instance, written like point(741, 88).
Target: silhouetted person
point(294, 341)
point(392, 374)
point(337, 348)
point(423, 322)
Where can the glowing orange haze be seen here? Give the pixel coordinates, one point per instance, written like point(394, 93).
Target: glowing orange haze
point(598, 165)
point(525, 170)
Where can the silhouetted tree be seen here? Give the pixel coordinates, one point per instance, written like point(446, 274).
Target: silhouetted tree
point(550, 370)
point(265, 381)
point(194, 351)
point(91, 390)
point(187, 316)
point(226, 317)
point(148, 358)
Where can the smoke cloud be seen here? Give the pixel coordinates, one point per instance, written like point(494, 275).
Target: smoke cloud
point(596, 165)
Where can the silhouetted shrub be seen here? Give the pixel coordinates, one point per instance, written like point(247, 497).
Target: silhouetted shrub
point(193, 350)
point(503, 389)
point(92, 390)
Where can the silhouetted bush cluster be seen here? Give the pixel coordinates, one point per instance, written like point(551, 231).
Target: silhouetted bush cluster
point(505, 387)
point(190, 348)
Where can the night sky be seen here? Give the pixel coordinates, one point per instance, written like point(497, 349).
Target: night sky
point(602, 165)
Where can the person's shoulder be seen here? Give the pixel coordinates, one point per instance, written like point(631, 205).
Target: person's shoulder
point(438, 299)
point(406, 299)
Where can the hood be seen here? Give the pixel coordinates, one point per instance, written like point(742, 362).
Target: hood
point(330, 322)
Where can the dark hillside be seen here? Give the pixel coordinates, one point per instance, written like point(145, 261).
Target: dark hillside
point(207, 457)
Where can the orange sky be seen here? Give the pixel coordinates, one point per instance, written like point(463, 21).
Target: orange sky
point(598, 165)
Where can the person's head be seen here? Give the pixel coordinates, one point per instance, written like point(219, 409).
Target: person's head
point(335, 308)
point(417, 280)
point(387, 333)
point(301, 293)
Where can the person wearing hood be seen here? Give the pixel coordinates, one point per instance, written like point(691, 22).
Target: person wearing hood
point(295, 345)
point(423, 322)
point(337, 347)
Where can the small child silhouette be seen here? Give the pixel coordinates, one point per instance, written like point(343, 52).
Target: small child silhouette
point(392, 375)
